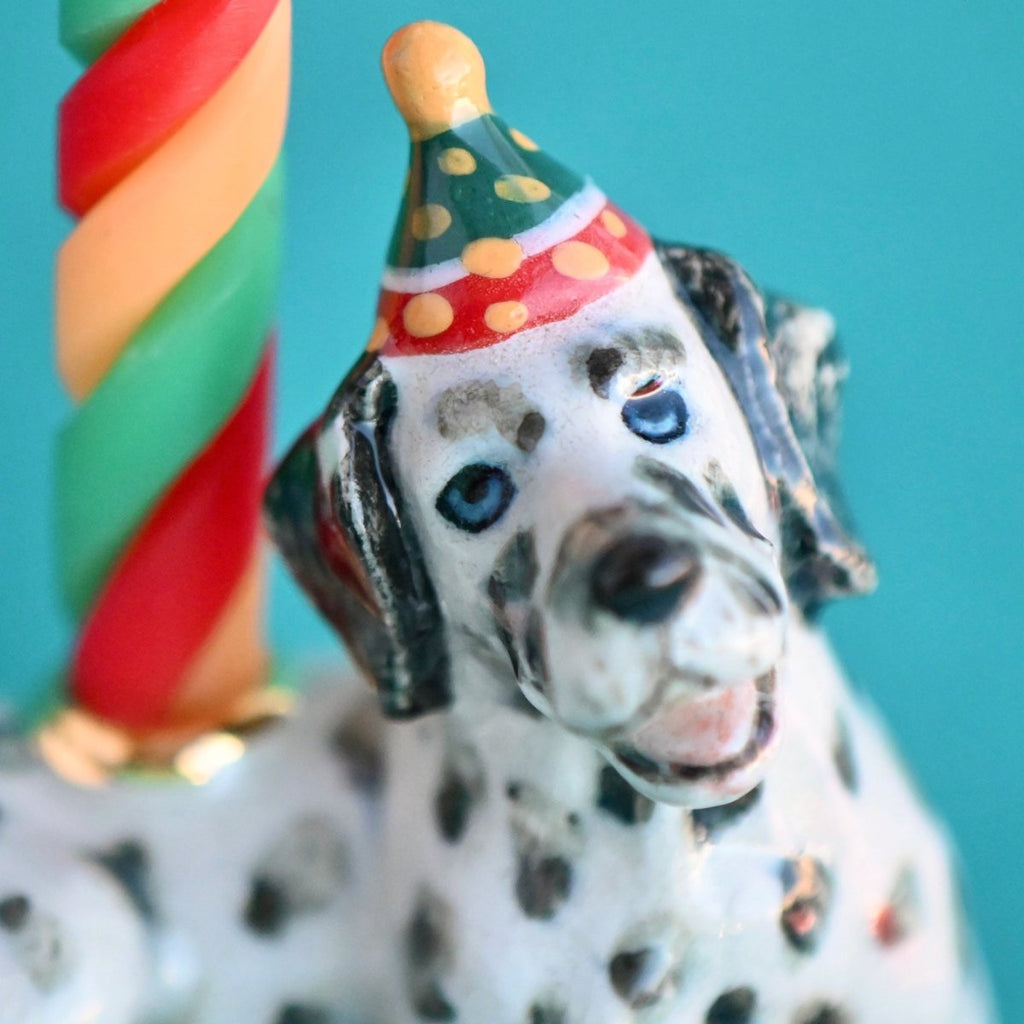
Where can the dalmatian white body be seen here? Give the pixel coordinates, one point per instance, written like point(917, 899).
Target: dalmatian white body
point(644, 793)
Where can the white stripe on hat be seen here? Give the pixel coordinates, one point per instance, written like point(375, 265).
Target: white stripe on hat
point(568, 220)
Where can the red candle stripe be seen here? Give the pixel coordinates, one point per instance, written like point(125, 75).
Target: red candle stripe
point(166, 66)
point(177, 574)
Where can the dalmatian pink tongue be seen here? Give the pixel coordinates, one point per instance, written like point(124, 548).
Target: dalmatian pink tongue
point(701, 731)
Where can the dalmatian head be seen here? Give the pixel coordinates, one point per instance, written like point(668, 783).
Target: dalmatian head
point(610, 508)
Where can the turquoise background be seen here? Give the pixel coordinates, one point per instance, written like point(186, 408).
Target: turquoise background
point(868, 157)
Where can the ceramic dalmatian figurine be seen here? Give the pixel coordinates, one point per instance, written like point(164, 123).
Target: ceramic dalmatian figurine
point(573, 513)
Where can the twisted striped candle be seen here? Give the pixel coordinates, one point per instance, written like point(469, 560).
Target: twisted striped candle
point(169, 154)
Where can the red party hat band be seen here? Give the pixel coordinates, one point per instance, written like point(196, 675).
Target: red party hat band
point(503, 289)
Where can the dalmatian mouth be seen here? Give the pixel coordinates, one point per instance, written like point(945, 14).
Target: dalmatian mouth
point(704, 738)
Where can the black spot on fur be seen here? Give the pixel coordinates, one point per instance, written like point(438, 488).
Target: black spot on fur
point(267, 909)
point(531, 430)
point(709, 821)
point(356, 742)
point(545, 1013)
point(462, 788)
point(733, 1007)
point(822, 1013)
point(705, 275)
point(452, 806)
point(428, 953)
point(842, 755)
point(14, 912)
point(543, 884)
point(129, 863)
point(806, 903)
point(300, 1013)
point(639, 976)
point(602, 365)
point(425, 940)
point(430, 1003)
point(621, 800)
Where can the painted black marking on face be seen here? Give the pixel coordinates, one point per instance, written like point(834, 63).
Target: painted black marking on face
point(602, 365)
point(14, 912)
point(683, 491)
point(806, 902)
point(515, 572)
point(546, 1013)
point(621, 800)
point(705, 276)
point(531, 430)
point(266, 910)
point(302, 1013)
point(357, 743)
point(822, 1013)
point(476, 497)
point(844, 758)
point(536, 648)
point(733, 1007)
point(641, 977)
point(428, 952)
point(480, 406)
point(129, 863)
point(732, 507)
point(708, 822)
point(543, 884)
point(659, 416)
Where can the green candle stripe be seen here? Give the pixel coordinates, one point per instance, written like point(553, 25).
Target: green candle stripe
point(88, 27)
point(174, 385)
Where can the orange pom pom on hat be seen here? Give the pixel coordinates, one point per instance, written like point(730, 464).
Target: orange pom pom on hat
point(494, 236)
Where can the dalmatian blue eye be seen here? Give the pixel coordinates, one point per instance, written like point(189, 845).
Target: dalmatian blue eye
point(655, 413)
point(476, 497)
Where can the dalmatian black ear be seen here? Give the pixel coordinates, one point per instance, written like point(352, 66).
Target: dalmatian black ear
point(337, 516)
point(785, 369)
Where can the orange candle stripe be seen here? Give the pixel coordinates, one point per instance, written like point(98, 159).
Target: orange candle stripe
point(130, 250)
point(232, 656)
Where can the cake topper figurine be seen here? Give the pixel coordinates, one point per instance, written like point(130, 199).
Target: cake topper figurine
point(574, 512)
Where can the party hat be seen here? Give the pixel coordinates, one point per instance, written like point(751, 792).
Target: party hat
point(494, 235)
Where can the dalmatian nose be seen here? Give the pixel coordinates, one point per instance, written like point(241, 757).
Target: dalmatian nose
point(643, 579)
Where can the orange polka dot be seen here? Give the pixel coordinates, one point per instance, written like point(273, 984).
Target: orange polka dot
point(427, 314)
point(523, 141)
point(378, 335)
point(613, 223)
point(579, 260)
point(506, 317)
point(429, 221)
point(519, 188)
point(456, 160)
point(492, 257)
